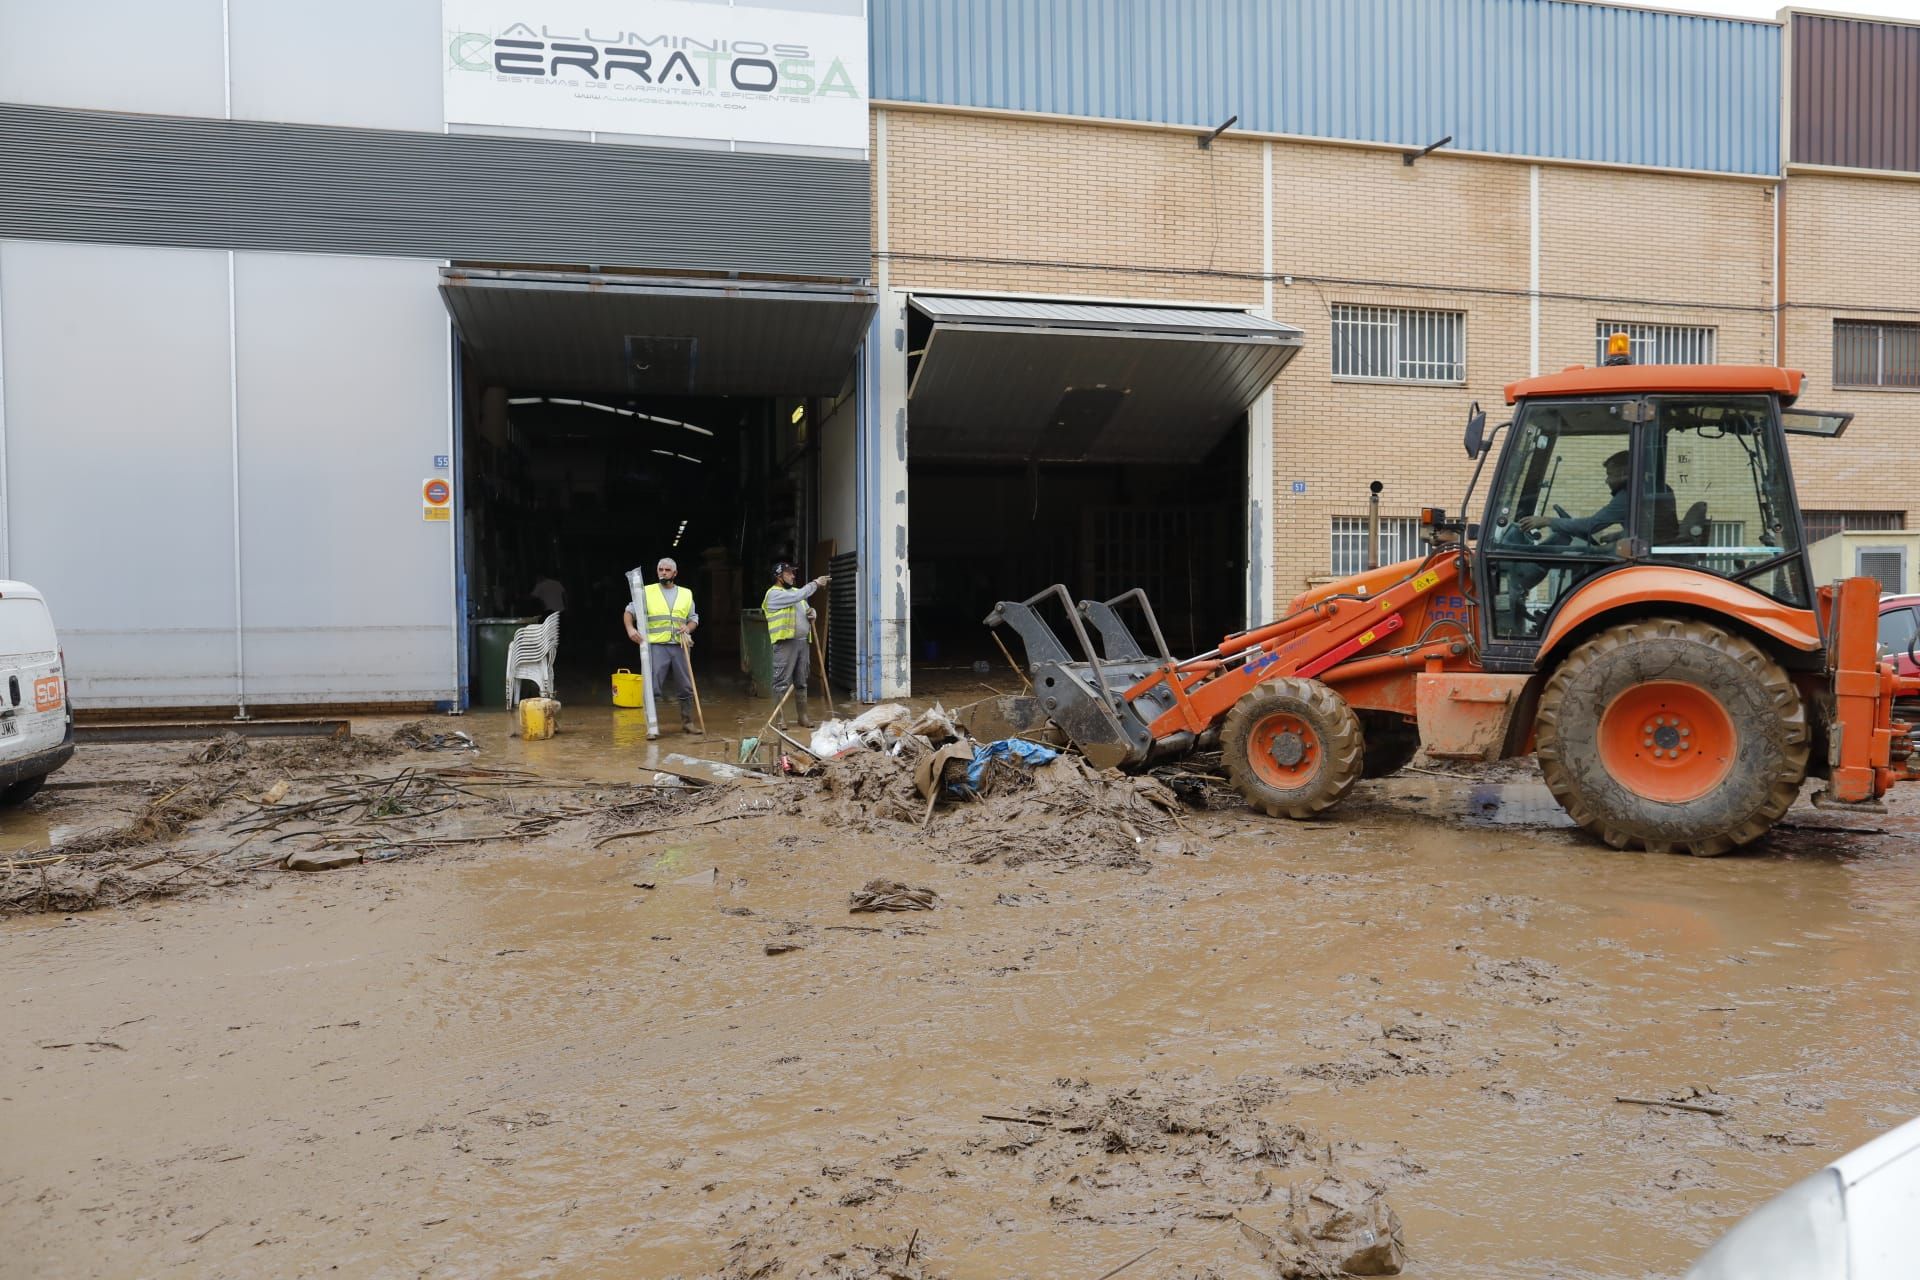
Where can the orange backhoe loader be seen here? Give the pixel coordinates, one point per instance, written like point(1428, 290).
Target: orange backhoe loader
point(1634, 608)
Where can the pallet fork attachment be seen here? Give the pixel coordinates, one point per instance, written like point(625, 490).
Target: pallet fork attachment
point(1084, 696)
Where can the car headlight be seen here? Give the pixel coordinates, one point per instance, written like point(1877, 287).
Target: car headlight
point(1800, 1234)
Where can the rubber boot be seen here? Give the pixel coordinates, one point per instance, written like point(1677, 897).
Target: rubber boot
point(806, 721)
point(686, 722)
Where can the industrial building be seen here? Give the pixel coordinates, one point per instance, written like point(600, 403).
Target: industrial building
point(323, 337)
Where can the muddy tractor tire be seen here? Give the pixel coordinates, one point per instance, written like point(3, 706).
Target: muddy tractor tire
point(1292, 747)
point(1391, 744)
point(1673, 735)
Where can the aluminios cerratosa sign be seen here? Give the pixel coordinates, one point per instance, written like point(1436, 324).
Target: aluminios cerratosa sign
point(658, 68)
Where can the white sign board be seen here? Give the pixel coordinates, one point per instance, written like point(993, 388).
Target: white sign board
point(658, 68)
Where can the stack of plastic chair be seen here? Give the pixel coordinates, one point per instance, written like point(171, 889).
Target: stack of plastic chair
point(530, 657)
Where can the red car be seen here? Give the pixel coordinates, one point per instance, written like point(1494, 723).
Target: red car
point(1899, 624)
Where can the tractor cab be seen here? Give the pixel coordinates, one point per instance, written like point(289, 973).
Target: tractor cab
point(1682, 466)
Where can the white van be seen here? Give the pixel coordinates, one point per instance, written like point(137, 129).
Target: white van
point(36, 724)
point(1853, 1220)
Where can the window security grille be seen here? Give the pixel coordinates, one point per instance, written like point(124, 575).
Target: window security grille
point(1657, 343)
point(1824, 524)
point(1399, 540)
point(1874, 354)
point(1885, 565)
point(1399, 344)
point(1724, 533)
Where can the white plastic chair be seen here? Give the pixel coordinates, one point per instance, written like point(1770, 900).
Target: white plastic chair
point(530, 657)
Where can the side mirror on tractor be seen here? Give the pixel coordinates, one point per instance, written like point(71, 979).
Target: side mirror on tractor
point(1476, 431)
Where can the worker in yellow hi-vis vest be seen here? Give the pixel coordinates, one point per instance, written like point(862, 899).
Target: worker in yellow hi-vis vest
point(787, 617)
point(670, 616)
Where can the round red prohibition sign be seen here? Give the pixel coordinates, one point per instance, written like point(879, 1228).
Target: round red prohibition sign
point(437, 493)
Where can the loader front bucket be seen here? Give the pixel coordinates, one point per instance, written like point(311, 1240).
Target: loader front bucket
point(1080, 696)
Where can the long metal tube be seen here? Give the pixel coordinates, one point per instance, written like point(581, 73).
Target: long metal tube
point(1373, 529)
point(637, 588)
point(1389, 662)
point(1272, 631)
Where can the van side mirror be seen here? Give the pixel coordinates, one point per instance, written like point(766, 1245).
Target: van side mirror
point(1476, 431)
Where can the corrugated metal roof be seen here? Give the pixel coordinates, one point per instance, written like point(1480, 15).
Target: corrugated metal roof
point(109, 178)
point(1517, 77)
point(1856, 93)
point(1086, 315)
point(1010, 380)
point(581, 331)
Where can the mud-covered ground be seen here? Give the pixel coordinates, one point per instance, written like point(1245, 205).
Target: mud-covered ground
point(577, 1052)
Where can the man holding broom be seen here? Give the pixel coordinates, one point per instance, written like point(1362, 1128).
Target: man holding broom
point(670, 624)
point(788, 619)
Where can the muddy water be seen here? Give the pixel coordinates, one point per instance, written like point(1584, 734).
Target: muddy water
point(522, 1063)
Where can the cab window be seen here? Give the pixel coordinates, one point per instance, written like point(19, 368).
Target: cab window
point(1560, 509)
point(1716, 494)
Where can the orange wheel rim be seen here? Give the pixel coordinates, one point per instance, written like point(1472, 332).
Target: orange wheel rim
point(1284, 750)
point(1667, 741)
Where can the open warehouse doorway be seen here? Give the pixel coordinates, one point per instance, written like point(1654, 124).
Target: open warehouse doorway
point(611, 420)
point(1098, 445)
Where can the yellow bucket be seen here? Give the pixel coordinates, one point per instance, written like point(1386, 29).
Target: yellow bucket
point(629, 689)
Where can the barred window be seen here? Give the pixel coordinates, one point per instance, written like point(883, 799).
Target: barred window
point(1399, 344)
point(1824, 524)
point(1873, 354)
point(1657, 343)
point(1399, 540)
point(1724, 533)
point(1885, 565)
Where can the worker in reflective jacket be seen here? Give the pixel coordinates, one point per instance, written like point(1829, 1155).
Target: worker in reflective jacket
point(670, 619)
point(788, 616)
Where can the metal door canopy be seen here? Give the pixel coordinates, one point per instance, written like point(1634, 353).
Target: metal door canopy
point(618, 334)
point(1008, 379)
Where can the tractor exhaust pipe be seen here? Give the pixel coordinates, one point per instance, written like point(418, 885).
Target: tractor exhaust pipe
point(1373, 524)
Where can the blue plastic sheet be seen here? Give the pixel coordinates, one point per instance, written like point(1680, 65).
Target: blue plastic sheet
point(1031, 754)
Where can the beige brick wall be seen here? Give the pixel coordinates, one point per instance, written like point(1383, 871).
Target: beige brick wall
point(1042, 206)
point(1353, 218)
point(1853, 244)
point(1089, 205)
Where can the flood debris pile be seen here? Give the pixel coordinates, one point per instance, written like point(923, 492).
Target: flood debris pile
point(1187, 1176)
point(287, 755)
point(118, 863)
point(246, 807)
point(1200, 780)
point(1178, 1147)
point(1012, 800)
point(1199, 1175)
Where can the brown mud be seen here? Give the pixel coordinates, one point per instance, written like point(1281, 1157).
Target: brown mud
point(681, 1053)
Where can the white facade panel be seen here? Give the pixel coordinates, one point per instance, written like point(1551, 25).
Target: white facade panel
point(116, 55)
point(344, 389)
point(119, 499)
point(368, 63)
